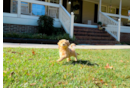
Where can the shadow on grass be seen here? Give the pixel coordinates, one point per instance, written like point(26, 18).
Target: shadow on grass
point(83, 62)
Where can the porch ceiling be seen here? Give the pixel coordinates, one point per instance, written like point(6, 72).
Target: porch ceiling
point(125, 3)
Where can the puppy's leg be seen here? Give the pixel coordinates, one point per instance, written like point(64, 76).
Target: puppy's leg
point(61, 58)
point(68, 59)
point(75, 57)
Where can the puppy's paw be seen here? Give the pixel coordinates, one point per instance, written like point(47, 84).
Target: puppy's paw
point(68, 60)
point(75, 60)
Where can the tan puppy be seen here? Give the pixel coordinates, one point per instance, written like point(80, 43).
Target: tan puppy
point(65, 51)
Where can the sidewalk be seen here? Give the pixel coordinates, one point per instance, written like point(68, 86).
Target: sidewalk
point(24, 45)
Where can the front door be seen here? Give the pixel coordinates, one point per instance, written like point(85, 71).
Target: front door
point(96, 13)
point(76, 7)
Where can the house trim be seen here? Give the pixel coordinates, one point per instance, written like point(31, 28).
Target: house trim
point(9, 14)
point(25, 20)
point(116, 15)
point(41, 3)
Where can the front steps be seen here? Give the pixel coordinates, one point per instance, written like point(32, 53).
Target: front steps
point(93, 36)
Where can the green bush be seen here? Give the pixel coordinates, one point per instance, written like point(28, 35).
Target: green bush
point(56, 36)
point(58, 31)
point(99, 23)
point(45, 25)
point(12, 35)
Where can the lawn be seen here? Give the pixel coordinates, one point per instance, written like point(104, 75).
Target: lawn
point(37, 68)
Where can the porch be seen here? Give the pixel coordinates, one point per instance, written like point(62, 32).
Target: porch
point(27, 13)
point(89, 10)
point(23, 12)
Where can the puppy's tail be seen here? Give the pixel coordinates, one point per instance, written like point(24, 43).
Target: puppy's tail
point(72, 45)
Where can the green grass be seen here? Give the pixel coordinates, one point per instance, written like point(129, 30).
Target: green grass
point(37, 68)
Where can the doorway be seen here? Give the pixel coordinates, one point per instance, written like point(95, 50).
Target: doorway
point(6, 6)
point(95, 13)
point(65, 3)
point(76, 7)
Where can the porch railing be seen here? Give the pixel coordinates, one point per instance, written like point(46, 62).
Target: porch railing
point(112, 26)
point(116, 15)
point(66, 19)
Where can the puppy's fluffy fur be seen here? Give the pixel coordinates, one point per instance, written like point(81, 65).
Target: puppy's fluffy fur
point(65, 51)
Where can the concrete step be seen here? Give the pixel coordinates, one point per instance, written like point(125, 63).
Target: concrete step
point(94, 38)
point(91, 34)
point(97, 42)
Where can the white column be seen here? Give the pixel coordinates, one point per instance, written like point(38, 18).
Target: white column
point(11, 9)
point(118, 32)
point(119, 21)
point(99, 9)
point(100, 6)
point(60, 10)
point(60, 2)
point(120, 9)
point(72, 25)
point(19, 8)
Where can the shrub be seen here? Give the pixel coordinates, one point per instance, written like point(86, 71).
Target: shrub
point(45, 24)
point(39, 36)
point(58, 31)
point(99, 23)
point(13, 35)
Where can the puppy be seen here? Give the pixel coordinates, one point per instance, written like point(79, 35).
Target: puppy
point(65, 51)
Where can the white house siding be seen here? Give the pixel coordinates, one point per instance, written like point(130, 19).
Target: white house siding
point(27, 21)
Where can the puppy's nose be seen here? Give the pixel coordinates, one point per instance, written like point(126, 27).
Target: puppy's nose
point(63, 44)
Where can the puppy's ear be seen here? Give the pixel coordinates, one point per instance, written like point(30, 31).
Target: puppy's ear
point(68, 43)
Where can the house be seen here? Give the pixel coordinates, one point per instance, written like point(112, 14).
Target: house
point(76, 16)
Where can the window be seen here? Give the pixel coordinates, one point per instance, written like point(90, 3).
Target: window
point(103, 8)
point(24, 8)
point(14, 5)
point(38, 10)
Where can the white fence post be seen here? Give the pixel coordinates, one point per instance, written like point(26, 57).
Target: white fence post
point(100, 16)
point(60, 2)
point(100, 9)
point(19, 8)
point(60, 9)
point(119, 27)
point(60, 13)
point(72, 25)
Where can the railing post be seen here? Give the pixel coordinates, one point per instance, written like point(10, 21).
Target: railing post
point(72, 25)
point(100, 10)
point(120, 8)
point(100, 14)
point(19, 8)
point(60, 9)
point(119, 27)
point(60, 2)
